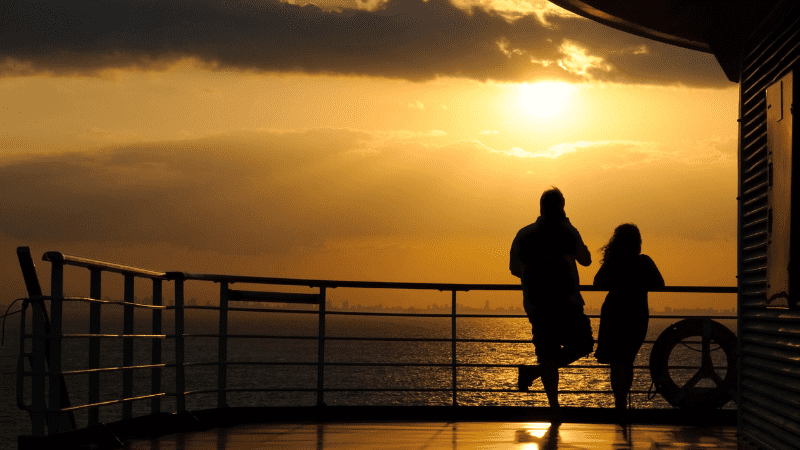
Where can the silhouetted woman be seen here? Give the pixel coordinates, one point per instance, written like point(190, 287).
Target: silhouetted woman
point(627, 275)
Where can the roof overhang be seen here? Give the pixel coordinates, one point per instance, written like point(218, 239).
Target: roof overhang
point(713, 26)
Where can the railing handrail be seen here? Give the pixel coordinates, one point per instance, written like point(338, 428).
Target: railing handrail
point(78, 261)
point(97, 300)
point(459, 287)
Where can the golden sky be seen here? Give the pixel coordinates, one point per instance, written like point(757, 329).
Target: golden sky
point(357, 140)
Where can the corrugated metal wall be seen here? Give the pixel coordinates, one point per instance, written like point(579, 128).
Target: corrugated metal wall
point(769, 339)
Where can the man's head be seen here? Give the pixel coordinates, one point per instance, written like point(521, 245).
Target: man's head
point(552, 203)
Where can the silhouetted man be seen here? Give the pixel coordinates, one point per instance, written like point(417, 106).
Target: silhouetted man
point(543, 256)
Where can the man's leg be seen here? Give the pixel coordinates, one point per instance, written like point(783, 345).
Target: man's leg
point(549, 370)
point(576, 332)
point(528, 373)
point(548, 351)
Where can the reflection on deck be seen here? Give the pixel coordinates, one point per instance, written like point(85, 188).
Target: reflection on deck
point(351, 427)
point(447, 435)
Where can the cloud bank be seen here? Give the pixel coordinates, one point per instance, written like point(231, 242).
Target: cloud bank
point(409, 39)
point(273, 191)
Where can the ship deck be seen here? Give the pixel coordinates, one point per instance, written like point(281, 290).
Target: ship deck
point(447, 435)
point(407, 427)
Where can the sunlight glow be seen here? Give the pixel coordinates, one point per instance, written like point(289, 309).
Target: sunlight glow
point(543, 100)
point(536, 432)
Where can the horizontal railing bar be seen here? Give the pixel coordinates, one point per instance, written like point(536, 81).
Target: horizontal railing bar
point(89, 335)
point(254, 363)
point(102, 265)
point(499, 316)
point(340, 338)
point(378, 339)
point(272, 310)
point(448, 365)
point(531, 391)
point(213, 335)
point(327, 338)
point(392, 314)
point(413, 314)
point(486, 365)
point(217, 308)
point(269, 310)
point(113, 302)
point(93, 405)
point(528, 341)
point(275, 297)
point(375, 338)
point(664, 316)
point(113, 369)
point(94, 300)
point(591, 316)
point(114, 402)
point(214, 391)
point(219, 278)
point(447, 389)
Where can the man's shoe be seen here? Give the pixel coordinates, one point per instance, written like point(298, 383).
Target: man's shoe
point(527, 374)
point(556, 416)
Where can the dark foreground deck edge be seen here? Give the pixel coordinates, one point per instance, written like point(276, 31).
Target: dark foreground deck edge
point(117, 434)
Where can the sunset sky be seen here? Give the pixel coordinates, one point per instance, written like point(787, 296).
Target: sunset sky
point(355, 140)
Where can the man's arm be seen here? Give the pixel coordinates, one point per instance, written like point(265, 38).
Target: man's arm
point(582, 254)
point(514, 264)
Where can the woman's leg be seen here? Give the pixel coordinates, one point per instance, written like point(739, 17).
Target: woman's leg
point(621, 382)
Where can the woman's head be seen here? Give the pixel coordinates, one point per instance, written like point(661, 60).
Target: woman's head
point(625, 242)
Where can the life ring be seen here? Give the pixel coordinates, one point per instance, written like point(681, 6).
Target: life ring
point(689, 396)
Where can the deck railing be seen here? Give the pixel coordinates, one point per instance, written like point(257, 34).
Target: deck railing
point(50, 407)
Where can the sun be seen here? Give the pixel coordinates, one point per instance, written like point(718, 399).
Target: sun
point(543, 100)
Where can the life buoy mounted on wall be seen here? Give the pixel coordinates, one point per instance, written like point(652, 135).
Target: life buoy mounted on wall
point(690, 396)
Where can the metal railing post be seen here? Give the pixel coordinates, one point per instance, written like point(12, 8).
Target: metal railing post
point(321, 349)
point(54, 363)
point(95, 291)
point(180, 370)
point(127, 348)
point(222, 352)
point(453, 350)
point(155, 374)
point(38, 368)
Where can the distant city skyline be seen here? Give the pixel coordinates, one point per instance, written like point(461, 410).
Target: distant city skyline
point(345, 305)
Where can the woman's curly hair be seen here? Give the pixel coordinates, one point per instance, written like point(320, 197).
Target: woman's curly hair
point(626, 242)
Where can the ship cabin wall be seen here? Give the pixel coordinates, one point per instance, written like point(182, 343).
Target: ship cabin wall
point(769, 321)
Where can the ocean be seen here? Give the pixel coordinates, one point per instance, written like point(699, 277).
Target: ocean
point(14, 422)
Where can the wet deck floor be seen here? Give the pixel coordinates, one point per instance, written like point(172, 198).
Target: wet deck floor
point(446, 435)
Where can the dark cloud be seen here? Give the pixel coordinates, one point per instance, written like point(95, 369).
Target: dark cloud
point(408, 39)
